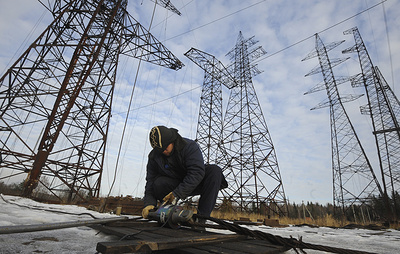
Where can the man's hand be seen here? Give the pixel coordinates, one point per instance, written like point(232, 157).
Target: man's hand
point(146, 210)
point(169, 199)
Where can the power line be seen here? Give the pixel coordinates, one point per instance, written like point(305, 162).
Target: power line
point(324, 30)
point(388, 41)
point(231, 14)
point(157, 102)
point(288, 47)
point(127, 113)
point(277, 52)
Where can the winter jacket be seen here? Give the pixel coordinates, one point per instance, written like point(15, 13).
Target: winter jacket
point(185, 164)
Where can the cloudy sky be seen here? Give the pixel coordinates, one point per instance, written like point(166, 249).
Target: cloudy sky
point(285, 29)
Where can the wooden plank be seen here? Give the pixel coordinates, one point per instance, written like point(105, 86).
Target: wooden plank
point(267, 244)
point(263, 246)
point(157, 233)
point(144, 232)
point(117, 231)
point(190, 250)
point(250, 223)
point(145, 239)
point(182, 232)
point(129, 246)
point(220, 249)
point(163, 244)
point(247, 247)
point(133, 223)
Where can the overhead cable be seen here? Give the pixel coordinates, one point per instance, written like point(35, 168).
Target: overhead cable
point(324, 30)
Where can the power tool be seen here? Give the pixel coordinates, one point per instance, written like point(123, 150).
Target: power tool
point(172, 215)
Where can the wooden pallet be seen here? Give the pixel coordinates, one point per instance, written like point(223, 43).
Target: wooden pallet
point(147, 237)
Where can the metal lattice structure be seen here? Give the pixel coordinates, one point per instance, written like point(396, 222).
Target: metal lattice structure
point(210, 122)
point(55, 100)
point(384, 110)
point(167, 5)
point(250, 163)
point(354, 181)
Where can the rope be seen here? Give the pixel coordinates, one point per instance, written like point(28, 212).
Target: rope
point(282, 241)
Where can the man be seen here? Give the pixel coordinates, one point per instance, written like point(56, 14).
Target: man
point(176, 170)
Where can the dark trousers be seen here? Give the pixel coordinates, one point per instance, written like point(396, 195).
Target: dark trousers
point(207, 189)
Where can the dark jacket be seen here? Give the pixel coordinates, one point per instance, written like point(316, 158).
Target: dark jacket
point(185, 164)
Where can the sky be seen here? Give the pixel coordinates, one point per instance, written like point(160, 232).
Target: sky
point(18, 211)
point(285, 29)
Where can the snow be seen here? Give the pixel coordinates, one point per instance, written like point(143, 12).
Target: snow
point(22, 211)
point(69, 240)
point(375, 241)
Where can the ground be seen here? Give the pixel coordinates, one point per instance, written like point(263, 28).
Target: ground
point(22, 211)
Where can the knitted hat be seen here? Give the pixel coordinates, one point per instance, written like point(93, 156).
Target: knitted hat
point(161, 137)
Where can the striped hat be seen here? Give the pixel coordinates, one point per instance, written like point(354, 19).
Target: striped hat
point(161, 137)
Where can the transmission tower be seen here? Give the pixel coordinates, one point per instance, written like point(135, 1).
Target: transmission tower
point(210, 123)
point(56, 99)
point(167, 5)
point(251, 164)
point(354, 181)
point(384, 110)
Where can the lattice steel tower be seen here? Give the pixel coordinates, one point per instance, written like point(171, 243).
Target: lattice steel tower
point(251, 167)
point(56, 98)
point(384, 110)
point(210, 123)
point(354, 181)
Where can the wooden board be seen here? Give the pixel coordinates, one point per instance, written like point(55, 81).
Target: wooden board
point(147, 237)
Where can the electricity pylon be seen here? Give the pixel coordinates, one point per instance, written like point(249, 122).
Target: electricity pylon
point(384, 110)
point(354, 181)
point(210, 122)
point(167, 5)
point(56, 99)
point(251, 167)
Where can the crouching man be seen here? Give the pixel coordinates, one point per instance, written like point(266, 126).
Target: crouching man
point(176, 170)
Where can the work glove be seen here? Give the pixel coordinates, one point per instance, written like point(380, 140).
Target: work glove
point(169, 199)
point(146, 210)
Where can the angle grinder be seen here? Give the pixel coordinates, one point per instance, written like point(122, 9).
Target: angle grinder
point(172, 215)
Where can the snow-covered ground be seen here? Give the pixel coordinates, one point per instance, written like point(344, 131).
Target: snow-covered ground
point(82, 239)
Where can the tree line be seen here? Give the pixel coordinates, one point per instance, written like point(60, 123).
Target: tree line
point(375, 209)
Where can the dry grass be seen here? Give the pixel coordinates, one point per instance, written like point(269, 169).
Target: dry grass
point(327, 221)
point(236, 215)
